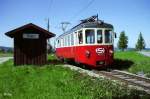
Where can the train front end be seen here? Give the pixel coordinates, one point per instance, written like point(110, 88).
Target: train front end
point(97, 49)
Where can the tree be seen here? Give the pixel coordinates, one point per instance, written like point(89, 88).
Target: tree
point(2, 50)
point(123, 41)
point(140, 43)
point(10, 50)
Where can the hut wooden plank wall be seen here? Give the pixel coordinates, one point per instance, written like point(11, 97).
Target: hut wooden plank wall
point(30, 44)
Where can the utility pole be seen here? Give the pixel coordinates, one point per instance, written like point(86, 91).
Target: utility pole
point(48, 24)
point(64, 26)
point(97, 17)
point(48, 28)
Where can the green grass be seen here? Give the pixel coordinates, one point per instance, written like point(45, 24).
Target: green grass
point(52, 57)
point(56, 82)
point(6, 54)
point(133, 62)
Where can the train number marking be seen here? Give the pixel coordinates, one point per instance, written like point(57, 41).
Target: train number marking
point(100, 50)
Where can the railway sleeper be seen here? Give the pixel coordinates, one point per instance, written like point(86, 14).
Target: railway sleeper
point(132, 75)
point(135, 83)
point(129, 81)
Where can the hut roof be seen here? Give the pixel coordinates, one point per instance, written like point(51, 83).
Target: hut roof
point(14, 32)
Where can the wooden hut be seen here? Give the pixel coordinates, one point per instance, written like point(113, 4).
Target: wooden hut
point(30, 44)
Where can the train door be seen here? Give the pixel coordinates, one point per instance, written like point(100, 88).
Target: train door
point(76, 46)
point(72, 44)
point(101, 50)
point(109, 42)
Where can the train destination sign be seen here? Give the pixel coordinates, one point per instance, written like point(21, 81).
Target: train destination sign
point(30, 36)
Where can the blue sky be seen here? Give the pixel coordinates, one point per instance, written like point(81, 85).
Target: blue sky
point(132, 16)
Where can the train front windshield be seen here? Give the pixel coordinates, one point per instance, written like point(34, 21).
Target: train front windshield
point(100, 36)
point(90, 36)
point(108, 36)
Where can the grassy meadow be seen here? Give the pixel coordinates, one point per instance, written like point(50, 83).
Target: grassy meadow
point(133, 62)
point(6, 54)
point(56, 82)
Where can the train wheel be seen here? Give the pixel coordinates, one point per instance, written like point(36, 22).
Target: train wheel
point(77, 63)
point(71, 61)
point(61, 59)
point(84, 66)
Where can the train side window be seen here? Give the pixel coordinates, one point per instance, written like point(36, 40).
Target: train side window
point(99, 36)
point(65, 41)
point(68, 40)
point(58, 43)
point(108, 36)
point(76, 40)
point(72, 39)
point(61, 42)
point(80, 37)
point(90, 36)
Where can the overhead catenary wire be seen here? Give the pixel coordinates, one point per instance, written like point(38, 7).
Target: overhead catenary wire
point(49, 11)
point(48, 20)
point(64, 26)
point(79, 12)
point(83, 9)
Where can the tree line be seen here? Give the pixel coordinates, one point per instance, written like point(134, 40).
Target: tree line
point(123, 42)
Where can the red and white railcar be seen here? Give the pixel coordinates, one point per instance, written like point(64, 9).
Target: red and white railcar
point(90, 43)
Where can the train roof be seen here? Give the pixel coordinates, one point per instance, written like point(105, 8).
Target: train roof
point(92, 22)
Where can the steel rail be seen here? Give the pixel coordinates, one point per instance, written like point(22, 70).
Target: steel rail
point(128, 78)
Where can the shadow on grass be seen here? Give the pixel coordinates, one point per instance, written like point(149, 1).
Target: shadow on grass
point(118, 64)
point(54, 62)
point(83, 66)
point(69, 62)
point(122, 64)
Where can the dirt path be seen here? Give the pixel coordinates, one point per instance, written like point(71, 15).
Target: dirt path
point(4, 59)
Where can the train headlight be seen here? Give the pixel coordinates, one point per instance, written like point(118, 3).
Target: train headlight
point(100, 62)
point(87, 53)
point(111, 51)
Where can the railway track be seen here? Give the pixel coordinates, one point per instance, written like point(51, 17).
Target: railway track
point(128, 78)
point(142, 83)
